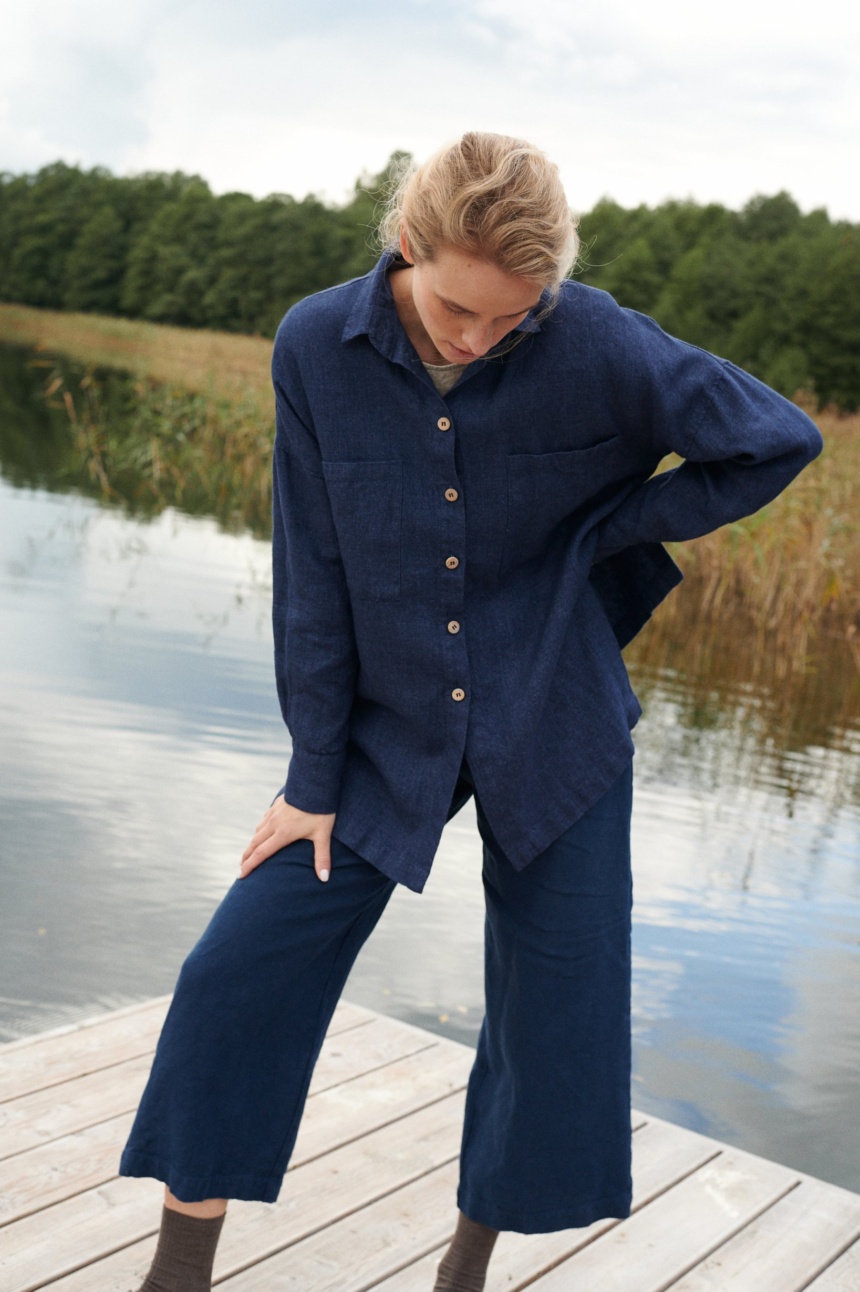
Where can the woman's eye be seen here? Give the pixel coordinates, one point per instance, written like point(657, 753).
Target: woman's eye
point(451, 309)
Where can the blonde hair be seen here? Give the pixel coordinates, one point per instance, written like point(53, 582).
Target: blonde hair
point(497, 197)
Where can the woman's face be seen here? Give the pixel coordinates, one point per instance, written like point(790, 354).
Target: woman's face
point(468, 305)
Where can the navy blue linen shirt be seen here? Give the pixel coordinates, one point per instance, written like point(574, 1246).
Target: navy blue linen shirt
point(456, 576)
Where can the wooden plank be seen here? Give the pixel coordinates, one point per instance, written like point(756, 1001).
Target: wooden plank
point(347, 1016)
point(361, 1050)
point(663, 1154)
point(50, 1060)
point(842, 1276)
point(680, 1228)
point(335, 1186)
point(122, 1271)
point(87, 1230)
point(420, 1275)
point(36, 1119)
point(47, 1244)
point(53, 1171)
point(365, 1247)
point(783, 1249)
point(60, 1110)
point(56, 1059)
point(348, 1111)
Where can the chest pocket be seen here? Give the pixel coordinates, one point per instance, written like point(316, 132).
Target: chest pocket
point(547, 489)
point(367, 506)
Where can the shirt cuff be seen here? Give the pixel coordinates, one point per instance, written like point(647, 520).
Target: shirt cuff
point(314, 781)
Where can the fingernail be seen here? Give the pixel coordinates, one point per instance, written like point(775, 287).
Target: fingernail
point(324, 874)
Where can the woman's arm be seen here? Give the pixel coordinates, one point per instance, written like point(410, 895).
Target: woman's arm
point(316, 661)
point(741, 441)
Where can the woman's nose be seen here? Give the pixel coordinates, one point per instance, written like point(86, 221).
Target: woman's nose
point(478, 338)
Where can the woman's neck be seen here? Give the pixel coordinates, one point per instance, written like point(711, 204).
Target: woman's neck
point(400, 280)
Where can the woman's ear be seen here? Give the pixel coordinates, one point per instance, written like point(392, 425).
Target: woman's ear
point(404, 246)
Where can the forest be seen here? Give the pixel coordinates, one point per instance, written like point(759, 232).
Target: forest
point(773, 289)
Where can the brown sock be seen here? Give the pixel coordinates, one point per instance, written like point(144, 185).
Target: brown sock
point(463, 1268)
point(184, 1255)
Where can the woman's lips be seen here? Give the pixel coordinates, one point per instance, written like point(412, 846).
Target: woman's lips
point(462, 354)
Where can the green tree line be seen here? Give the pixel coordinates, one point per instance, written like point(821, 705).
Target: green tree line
point(774, 290)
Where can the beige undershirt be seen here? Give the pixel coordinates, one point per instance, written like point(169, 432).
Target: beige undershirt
point(445, 375)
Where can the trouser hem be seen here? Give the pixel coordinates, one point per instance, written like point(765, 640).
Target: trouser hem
point(188, 1187)
point(615, 1206)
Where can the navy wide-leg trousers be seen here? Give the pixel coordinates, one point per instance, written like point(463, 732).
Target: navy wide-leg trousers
point(546, 1136)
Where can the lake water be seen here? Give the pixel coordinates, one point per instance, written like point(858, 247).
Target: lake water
point(141, 741)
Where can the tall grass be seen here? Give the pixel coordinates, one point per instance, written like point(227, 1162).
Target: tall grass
point(216, 364)
point(790, 573)
point(148, 446)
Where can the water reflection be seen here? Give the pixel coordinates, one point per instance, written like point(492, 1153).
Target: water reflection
point(142, 741)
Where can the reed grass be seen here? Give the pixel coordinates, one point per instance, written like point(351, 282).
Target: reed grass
point(197, 433)
point(790, 573)
point(148, 445)
point(220, 365)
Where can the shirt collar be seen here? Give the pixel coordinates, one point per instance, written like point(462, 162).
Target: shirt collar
point(374, 313)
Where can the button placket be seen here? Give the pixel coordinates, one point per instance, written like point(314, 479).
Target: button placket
point(452, 563)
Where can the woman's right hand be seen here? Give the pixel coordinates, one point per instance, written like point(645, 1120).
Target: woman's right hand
point(282, 824)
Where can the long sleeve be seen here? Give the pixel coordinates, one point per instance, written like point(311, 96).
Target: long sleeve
point(315, 650)
point(741, 441)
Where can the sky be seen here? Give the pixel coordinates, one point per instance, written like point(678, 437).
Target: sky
point(639, 102)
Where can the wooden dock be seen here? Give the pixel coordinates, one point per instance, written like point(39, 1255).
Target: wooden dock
point(369, 1200)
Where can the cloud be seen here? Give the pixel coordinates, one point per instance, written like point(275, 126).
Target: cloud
point(642, 102)
point(72, 79)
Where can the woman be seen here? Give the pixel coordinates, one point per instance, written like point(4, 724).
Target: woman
point(466, 531)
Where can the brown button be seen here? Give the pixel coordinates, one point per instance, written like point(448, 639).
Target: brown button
point(452, 562)
point(457, 694)
point(453, 626)
point(451, 495)
point(444, 424)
